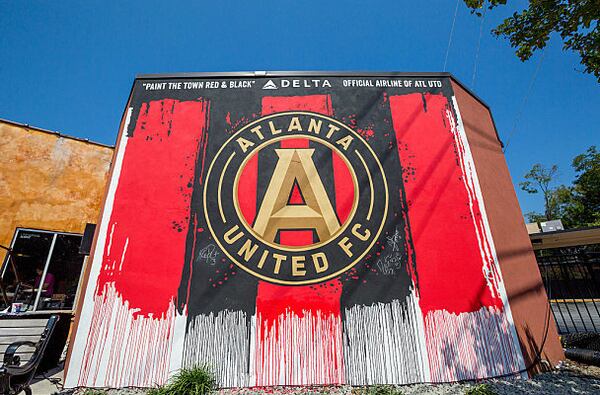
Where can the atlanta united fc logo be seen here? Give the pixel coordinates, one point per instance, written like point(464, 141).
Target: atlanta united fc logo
point(295, 198)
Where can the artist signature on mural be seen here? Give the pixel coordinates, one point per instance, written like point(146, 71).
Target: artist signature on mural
point(389, 264)
point(394, 241)
point(209, 254)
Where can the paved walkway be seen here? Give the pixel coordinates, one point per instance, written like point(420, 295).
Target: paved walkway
point(577, 317)
point(43, 386)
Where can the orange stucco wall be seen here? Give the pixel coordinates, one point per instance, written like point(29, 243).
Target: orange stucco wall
point(49, 181)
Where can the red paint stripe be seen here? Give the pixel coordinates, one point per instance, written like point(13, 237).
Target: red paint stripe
point(280, 299)
point(294, 143)
point(315, 103)
point(274, 301)
point(448, 256)
point(156, 177)
point(296, 237)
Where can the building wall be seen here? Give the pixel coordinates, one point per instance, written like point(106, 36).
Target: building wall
point(461, 328)
point(49, 181)
point(534, 322)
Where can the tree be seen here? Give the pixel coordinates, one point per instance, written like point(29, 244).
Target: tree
point(538, 179)
point(535, 217)
point(584, 204)
point(577, 205)
point(576, 21)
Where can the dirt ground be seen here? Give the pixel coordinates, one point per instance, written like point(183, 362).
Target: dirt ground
point(571, 378)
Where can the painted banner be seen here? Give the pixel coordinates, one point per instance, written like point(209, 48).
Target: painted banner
point(290, 231)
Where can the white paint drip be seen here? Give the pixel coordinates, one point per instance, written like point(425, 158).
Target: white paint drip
point(123, 254)
point(461, 136)
point(384, 344)
point(469, 179)
point(470, 345)
point(299, 349)
point(110, 238)
point(125, 349)
point(89, 299)
point(177, 350)
point(221, 341)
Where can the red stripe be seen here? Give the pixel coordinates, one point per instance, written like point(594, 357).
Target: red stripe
point(299, 300)
point(273, 301)
point(143, 246)
point(294, 143)
point(315, 103)
point(448, 256)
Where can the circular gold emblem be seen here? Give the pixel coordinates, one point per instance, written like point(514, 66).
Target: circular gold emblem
point(295, 198)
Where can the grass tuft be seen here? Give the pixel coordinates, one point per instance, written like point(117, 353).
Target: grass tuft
point(91, 391)
point(382, 390)
point(198, 380)
point(481, 389)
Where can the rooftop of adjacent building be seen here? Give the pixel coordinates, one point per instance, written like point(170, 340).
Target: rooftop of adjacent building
point(58, 134)
point(565, 238)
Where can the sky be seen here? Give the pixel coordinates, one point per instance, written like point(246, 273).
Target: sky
point(68, 66)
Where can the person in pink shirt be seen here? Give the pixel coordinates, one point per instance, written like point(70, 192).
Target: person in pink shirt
point(48, 288)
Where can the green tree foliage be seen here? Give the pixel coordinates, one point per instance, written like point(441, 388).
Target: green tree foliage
point(538, 179)
point(583, 208)
point(576, 21)
point(577, 205)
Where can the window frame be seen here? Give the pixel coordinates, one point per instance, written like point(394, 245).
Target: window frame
point(55, 234)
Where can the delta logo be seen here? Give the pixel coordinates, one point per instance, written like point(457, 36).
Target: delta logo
point(297, 83)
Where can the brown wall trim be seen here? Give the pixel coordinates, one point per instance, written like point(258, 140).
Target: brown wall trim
point(527, 297)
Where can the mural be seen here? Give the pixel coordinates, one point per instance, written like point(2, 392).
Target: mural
point(297, 231)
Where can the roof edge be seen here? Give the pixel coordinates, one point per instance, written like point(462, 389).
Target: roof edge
point(59, 134)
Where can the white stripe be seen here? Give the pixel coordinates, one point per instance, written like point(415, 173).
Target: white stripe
point(499, 280)
point(85, 317)
point(383, 343)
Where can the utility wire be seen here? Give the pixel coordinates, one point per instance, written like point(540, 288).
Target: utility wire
point(478, 47)
point(524, 102)
point(451, 34)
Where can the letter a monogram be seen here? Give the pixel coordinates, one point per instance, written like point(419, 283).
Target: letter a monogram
point(296, 167)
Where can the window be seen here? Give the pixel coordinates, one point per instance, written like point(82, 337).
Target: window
point(44, 271)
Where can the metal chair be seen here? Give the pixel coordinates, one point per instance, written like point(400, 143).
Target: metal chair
point(15, 377)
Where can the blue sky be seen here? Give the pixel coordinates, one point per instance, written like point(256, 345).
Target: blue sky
point(68, 66)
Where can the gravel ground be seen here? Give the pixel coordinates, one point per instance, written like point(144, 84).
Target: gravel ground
point(572, 378)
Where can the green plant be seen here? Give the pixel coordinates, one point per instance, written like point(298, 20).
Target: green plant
point(575, 22)
point(91, 391)
point(383, 390)
point(198, 380)
point(481, 389)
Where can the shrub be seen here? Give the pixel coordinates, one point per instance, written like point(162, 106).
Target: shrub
point(481, 389)
point(198, 380)
point(383, 390)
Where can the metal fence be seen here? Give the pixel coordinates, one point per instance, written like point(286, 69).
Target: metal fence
point(572, 281)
